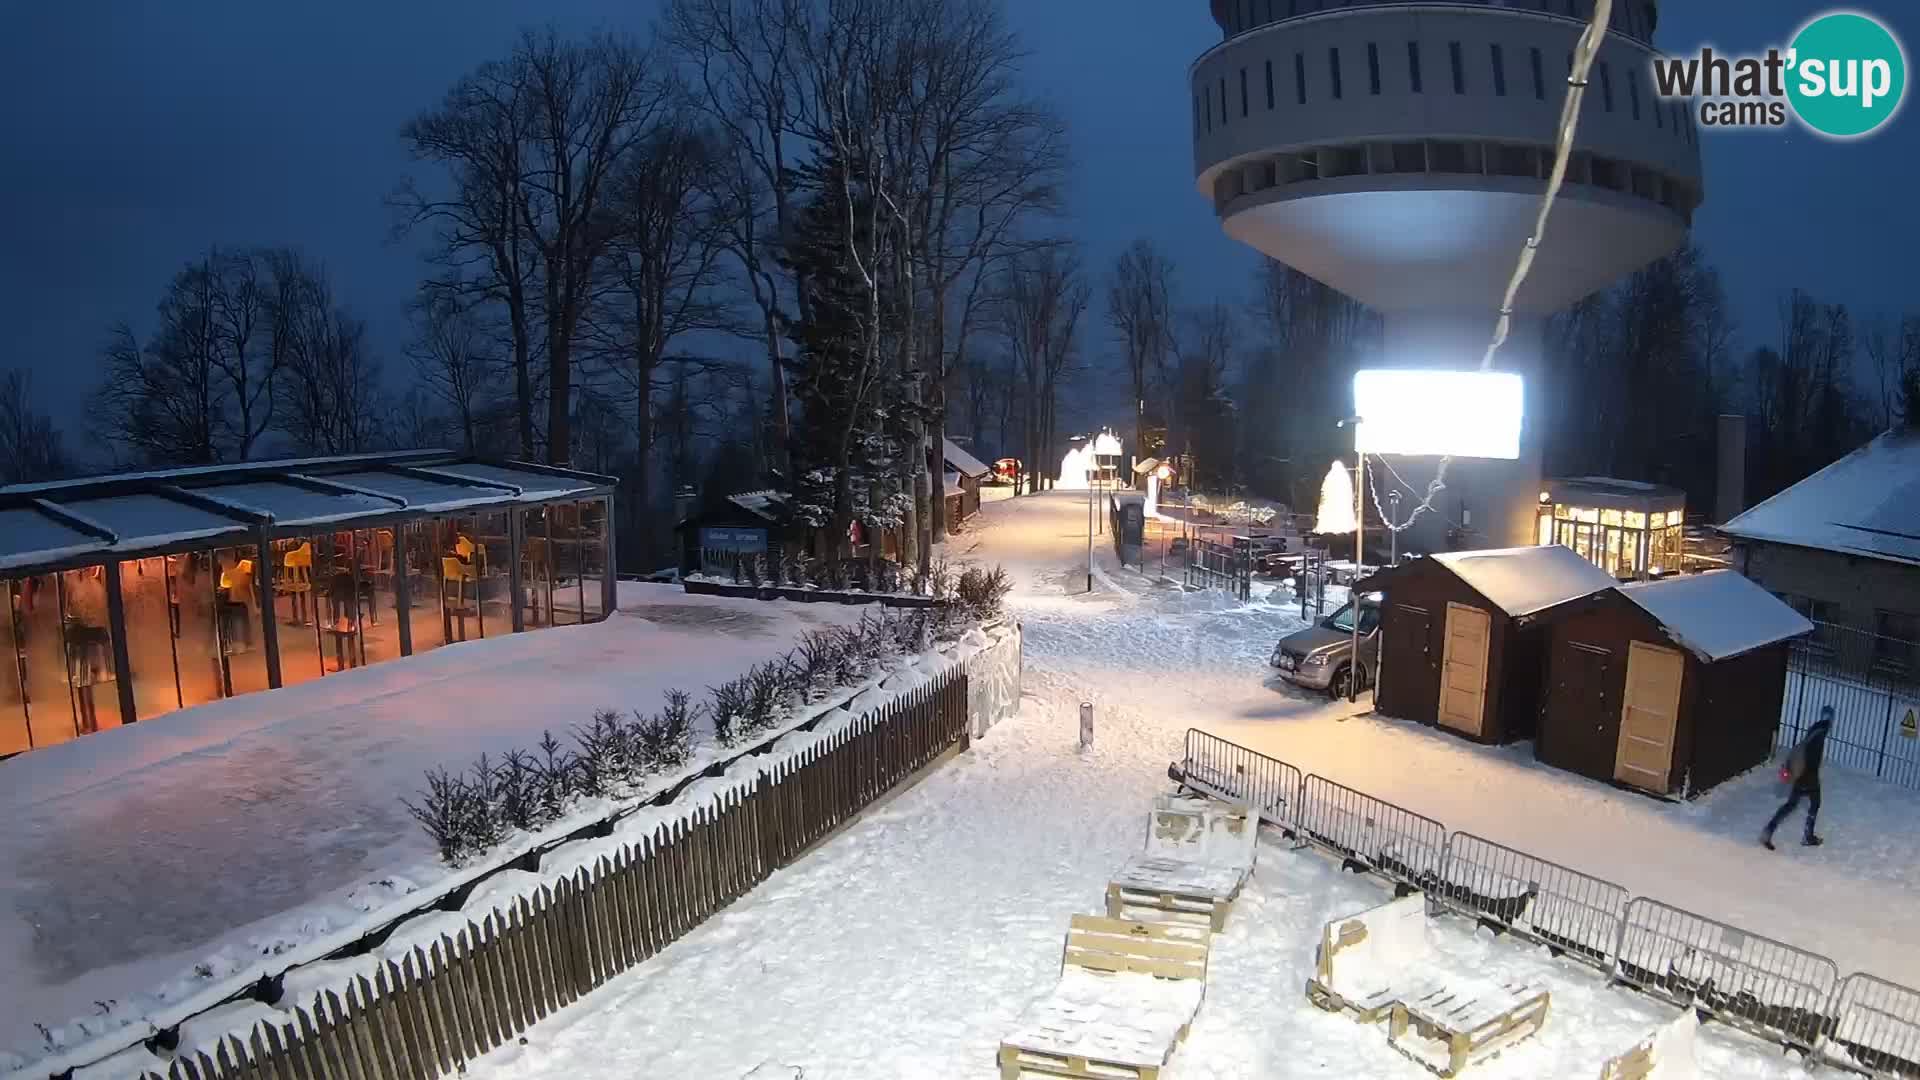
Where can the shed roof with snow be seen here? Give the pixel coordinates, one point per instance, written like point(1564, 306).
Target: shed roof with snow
point(962, 462)
point(1718, 614)
point(1525, 580)
point(1867, 504)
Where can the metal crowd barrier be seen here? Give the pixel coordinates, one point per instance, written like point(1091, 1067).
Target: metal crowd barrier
point(1232, 771)
point(1876, 1027)
point(1571, 912)
point(1764, 987)
point(1390, 840)
point(1755, 983)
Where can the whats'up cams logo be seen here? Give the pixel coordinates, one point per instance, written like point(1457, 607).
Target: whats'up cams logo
point(1843, 76)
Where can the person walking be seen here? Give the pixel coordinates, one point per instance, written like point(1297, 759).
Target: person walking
point(1803, 771)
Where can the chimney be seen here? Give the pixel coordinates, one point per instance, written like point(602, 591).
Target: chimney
point(684, 501)
point(1730, 489)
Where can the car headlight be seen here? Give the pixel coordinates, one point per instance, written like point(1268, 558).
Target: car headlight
point(1316, 660)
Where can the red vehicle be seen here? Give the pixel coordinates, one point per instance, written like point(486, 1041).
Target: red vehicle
point(1006, 470)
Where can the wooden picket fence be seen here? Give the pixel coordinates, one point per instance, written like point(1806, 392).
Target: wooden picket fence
point(425, 1014)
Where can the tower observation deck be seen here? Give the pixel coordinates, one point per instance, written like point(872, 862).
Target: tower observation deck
point(1398, 152)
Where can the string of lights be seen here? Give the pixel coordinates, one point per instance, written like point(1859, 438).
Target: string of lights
point(1583, 57)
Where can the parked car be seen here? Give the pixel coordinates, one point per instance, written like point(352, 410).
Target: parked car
point(1321, 656)
point(1006, 470)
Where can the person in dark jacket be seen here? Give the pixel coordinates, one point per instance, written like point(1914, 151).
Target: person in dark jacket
point(1804, 771)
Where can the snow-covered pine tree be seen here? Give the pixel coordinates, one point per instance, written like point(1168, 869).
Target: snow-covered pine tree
point(844, 443)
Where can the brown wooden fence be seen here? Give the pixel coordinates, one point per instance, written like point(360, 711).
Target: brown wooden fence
point(428, 1012)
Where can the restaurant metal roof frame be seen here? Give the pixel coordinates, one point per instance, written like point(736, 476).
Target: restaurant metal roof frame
point(59, 524)
point(1607, 491)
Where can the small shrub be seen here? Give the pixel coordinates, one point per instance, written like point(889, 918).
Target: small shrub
point(665, 739)
point(911, 632)
point(817, 659)
point(728, 704)
point(982, 592)
point(938, 580)
point(486, 826)
point(446, 811)
point(848, 668)
point(517, 791)
point(554, 780)
point(602, 763)
point(764, 684)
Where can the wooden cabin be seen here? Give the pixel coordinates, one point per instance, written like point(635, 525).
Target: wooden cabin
point(1460, 647)
point(961, 476)
point(1668, 686)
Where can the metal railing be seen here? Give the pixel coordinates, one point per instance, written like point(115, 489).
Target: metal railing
point(1872, 682)
point(1390, 840)
point(1575, 914)
point(1222, 567)
point(1751, 982)
point(1754, 983)
point(1229, 770)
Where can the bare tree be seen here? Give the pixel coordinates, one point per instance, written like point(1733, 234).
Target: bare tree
point(416, 421)
point(453, 355)
point(1041, 299)
point(30, 446)
point(1201, 408)
point(1894, 347)
point(1140, 311)
point(663, 278)
point(328, 392)
point(745, 60)
point(163, 402)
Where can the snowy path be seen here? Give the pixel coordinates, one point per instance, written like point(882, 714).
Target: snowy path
point(248, 825)
point(907, 946)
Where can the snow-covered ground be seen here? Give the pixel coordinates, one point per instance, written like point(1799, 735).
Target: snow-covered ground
point(908, 946)
point(174, 854)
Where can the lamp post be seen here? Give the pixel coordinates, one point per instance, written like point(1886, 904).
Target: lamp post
point(1359, 541)
point(1393, 537)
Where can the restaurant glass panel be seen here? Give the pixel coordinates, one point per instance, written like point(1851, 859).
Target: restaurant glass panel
point(232, 585)
point(193, 589)
point(593, 558)
point(461, 563)
point(299, 573)
point(42, 647)
point(536, 569)
point(88, 636)
point(563, 519)
point(376, 563)
point(493, 558)
point(423, 546)
point(15, 733)
point(338, 601)
point(146, 602)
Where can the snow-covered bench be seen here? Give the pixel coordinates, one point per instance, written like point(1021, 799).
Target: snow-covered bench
point(1381, 963)
point(1198, 854)
point(1665, 1054)
point(1126, 994)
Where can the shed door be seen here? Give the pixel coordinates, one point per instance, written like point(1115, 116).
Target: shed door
point(1648, 716)
point(1579, 730)
point(1406, 663)
point(1463, 669)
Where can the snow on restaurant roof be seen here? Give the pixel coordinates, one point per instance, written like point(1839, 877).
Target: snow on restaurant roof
point(1717, 614)
point(1524, 580)
point(959, 459)
point(91, 518)
point(1867, 503)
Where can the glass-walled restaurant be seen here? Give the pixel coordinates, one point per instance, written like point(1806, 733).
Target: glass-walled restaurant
point(128, 597)
point(1632, 530)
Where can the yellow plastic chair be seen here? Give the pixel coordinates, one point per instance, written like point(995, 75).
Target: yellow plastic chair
point(296, 579)
point(456, 573)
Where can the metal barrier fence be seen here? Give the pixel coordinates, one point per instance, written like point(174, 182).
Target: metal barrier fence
point(1761, 986)
point(1390, 840)
point(1222, 567)
point(1573, 913)
point(1876, 1027)
point(1232, 771)
point(1751, 982)
point(1872, 683)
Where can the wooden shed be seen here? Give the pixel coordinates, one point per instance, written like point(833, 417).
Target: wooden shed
point(1669, 686)
point(961, 474)
point(1460, 645)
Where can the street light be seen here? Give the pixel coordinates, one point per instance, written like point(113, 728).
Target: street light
point(1393, 535)
point(1359, 540)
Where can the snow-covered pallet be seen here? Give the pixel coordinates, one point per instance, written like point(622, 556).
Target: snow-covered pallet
point(1199, 853)
point(1380, 963)
point(1126, 994)
point(1665, 1054)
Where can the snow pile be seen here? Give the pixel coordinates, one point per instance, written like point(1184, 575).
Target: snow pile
point(1523, 580)
point(993, 677)
point(1717, 614)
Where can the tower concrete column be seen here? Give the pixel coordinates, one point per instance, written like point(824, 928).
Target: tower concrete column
point(1493, 503)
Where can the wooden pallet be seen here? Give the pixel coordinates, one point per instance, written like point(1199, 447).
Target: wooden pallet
point(1126, 996)
point(1666, 1051)
point(1155, 890)
point(1448, 1029)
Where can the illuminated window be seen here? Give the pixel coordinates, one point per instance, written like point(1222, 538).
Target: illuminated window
point(1634, 519)
point(1657, 521)
point(1610, 517)
point(1586, 513)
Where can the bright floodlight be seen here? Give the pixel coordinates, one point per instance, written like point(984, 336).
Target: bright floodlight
point(1336, 502)
point(1472, 414)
